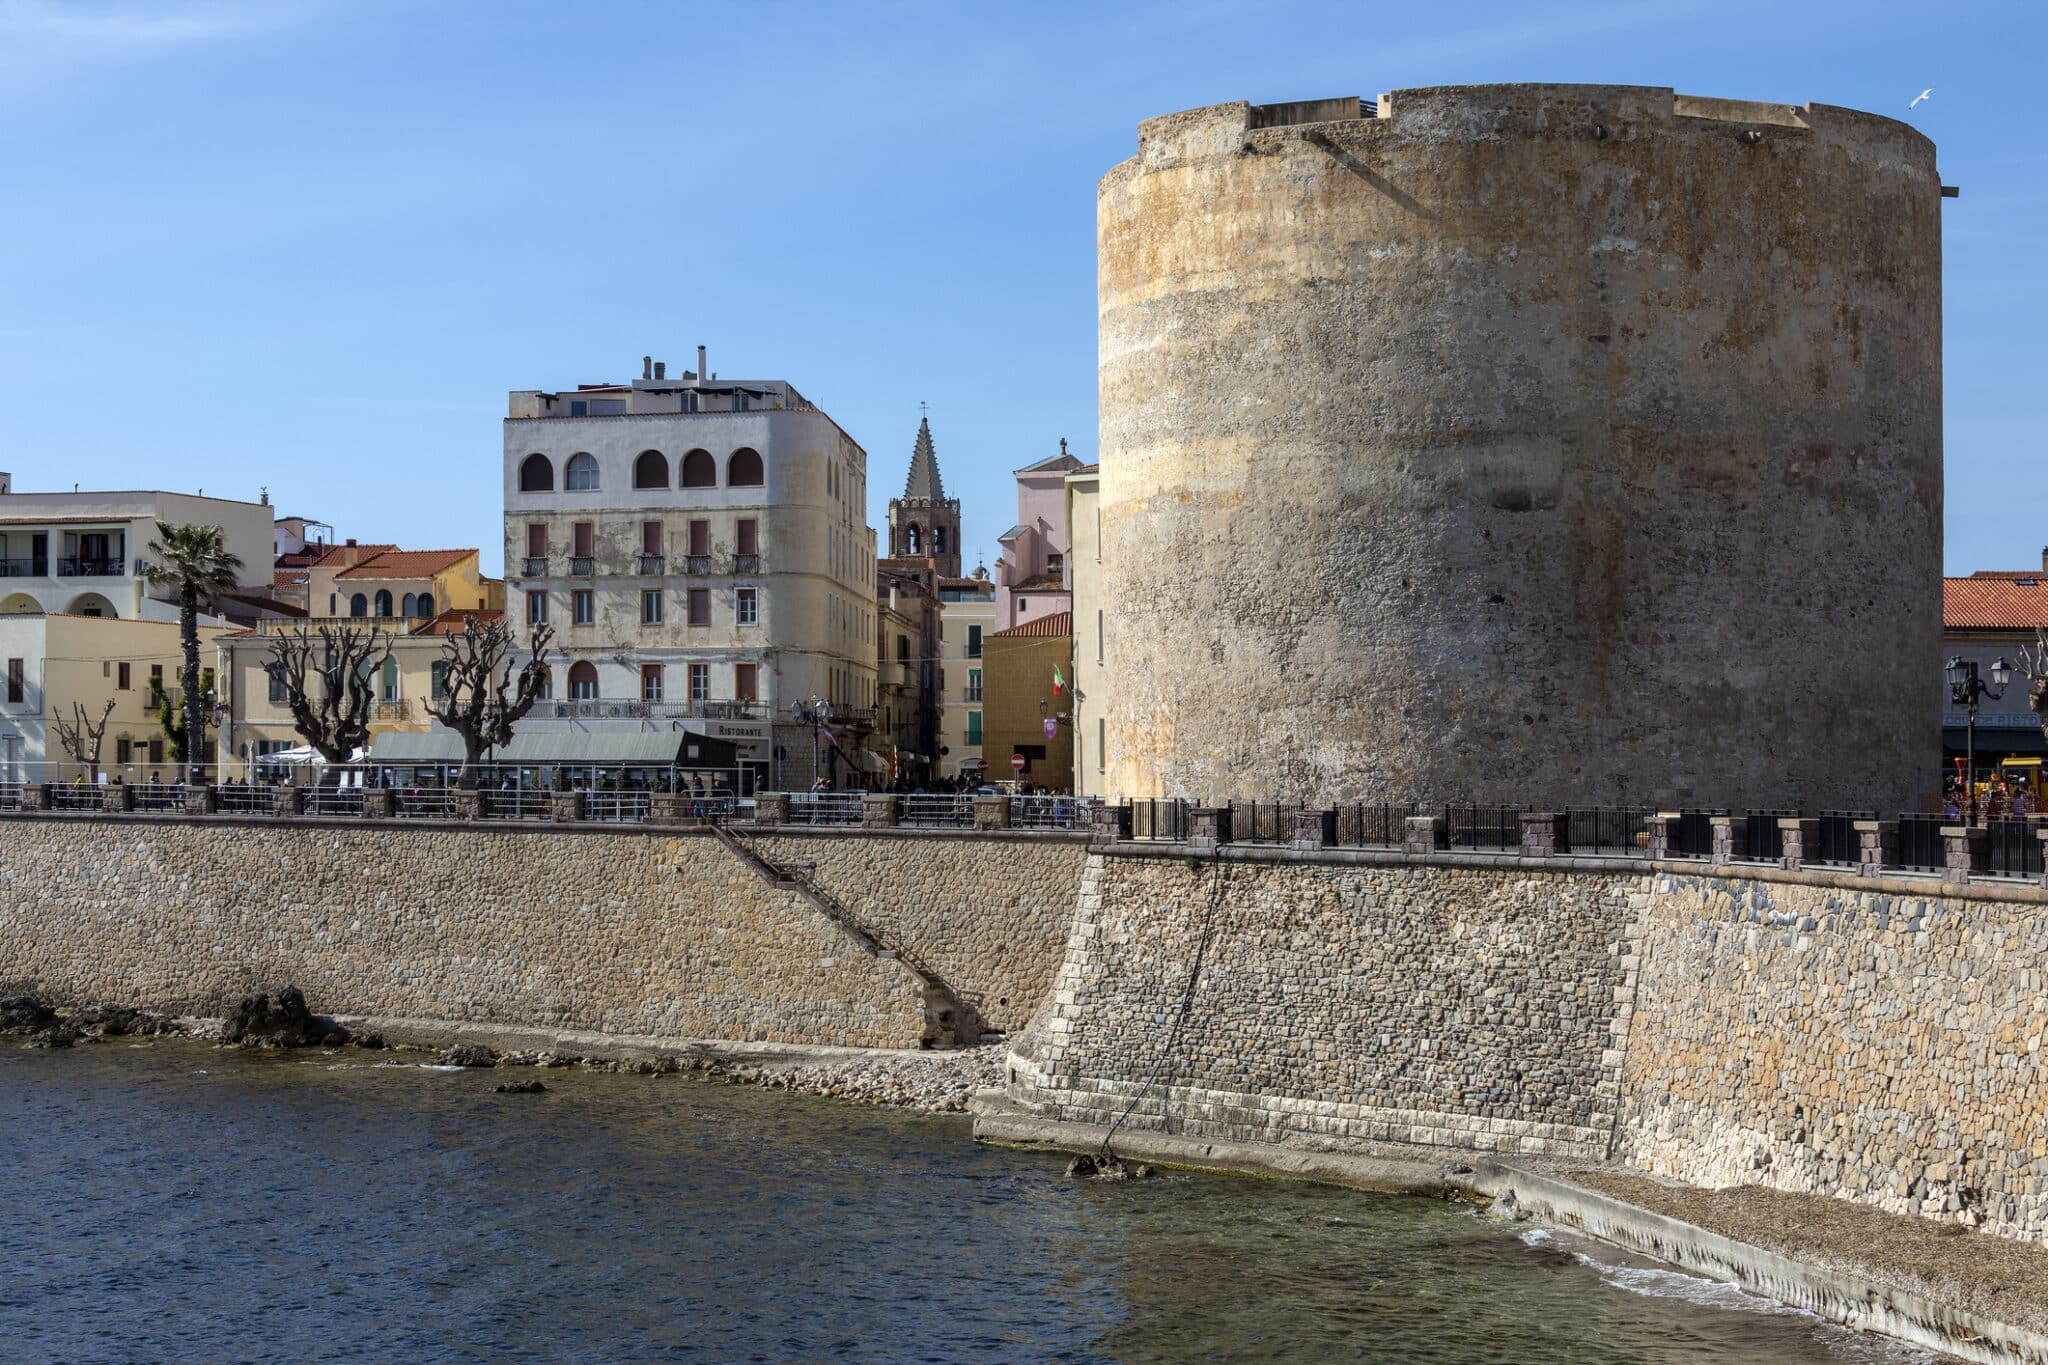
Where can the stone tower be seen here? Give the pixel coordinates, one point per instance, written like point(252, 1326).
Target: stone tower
point(1533, 444)
point(924, 523)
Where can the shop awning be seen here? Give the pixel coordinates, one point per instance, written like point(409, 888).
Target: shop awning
point(593, 750)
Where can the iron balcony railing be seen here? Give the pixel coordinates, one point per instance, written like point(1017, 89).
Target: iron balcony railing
point(746, 563)
point(697, 565)
point(391, 710)
point(653, 564)
point(24, 568)
point(582, 566)
point(534, 566)
point(78, 566)
point(622, 708)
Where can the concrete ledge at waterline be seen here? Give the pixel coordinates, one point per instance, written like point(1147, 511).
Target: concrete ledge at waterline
point(1839, 1296)
point(438, 1034)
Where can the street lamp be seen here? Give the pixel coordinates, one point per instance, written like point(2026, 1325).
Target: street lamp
point(814, 713)
point(1964, 689)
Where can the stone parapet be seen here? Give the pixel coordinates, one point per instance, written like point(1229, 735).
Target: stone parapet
point(35, 796)
point(117, 797)
point(1545, 834)
point(1208, 827)
point(991, 812)
point(1731, 839)
point(203, 799)
point(1315, 828)
point(771, 808)
point(668, 808)
point(2041, 833)
point(1877, 844)
point(379, 803)
point(1799, 839)
point(288, 801)
point(1109, 824)
point(1662, 832)
point(565, 808)
point(1425, 834)
point(878, 810)
point(1966, 852)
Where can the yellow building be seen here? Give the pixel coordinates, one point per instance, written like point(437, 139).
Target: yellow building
point(56, 665)
point(387, 583)
point(257, 719)
point(1023, 688)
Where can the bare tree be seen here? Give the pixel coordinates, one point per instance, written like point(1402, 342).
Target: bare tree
point(327, 676)
point(477, 676)
point(2034, 664)
point(81, 735)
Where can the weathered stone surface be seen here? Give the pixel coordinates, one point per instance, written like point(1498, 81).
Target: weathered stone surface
point(1566, 386)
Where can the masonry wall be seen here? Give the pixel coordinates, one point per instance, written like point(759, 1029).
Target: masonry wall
point(987, 915)
point(633, 933)
point(1876, 1039)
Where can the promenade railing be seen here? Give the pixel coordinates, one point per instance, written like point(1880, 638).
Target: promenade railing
point(824, 808)
point(1046, 812)
point(935, 810)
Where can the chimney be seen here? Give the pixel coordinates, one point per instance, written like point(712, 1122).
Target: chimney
point(351, 540)
point(2044, 548)
point(702, 373)
point(647, 367)
point(661, 369)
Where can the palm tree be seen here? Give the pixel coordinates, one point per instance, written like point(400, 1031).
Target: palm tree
point(195, 561)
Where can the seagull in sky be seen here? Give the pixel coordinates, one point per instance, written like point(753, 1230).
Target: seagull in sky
point(1926, 94)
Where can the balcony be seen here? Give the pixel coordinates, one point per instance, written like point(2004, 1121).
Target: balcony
point(534, 566)
point(746, 563)
point(697, 566)
point(973, 692)
point(24, 568)
point(391, 710)
point(627, 708)
point(582, 566)
point(653, 564)
point(77, 566)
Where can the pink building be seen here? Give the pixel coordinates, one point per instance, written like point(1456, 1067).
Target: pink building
point(1031, 577)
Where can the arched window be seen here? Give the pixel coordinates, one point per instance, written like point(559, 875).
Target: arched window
point(650, 470)
point(383, 601)
point(913, 539)
point(743, 470)
point(700, 470)
point(581, 474)
point(410, 606)
point(938, 540)
point(536, 475)
point(583, 681)
point(426, 604)
point(359, 605)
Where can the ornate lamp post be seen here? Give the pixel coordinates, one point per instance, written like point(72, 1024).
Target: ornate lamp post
point(1964, 689)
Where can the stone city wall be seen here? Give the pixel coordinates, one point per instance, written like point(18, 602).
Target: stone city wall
point(628, 933)
point(988, 915)
point(1875, 1038)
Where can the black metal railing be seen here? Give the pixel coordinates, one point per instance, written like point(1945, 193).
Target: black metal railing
point(1692, 834)
point(1763, 839)
point(746, 563)
point(697, 565)
point(1840, 844)
point(1488, 827)
point(1367, 824)
point(653, 564)
point(1609, 830)
point(534, 566)
point(1162, 820)
point(1920, 843)
point(81, 566)
point(2012, 848)
point(1262, 822)
point(582, 566)
point(24, 568)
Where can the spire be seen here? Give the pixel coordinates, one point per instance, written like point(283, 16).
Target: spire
point(924, 479)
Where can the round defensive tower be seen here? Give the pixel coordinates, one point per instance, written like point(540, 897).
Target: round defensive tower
point(1523, 443)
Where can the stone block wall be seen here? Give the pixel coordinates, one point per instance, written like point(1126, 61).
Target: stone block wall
point(618, 933)
point(1884, 1046)
point(989, 916)
point(1341, 1003)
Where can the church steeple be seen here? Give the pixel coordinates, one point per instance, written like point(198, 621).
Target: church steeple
point(924, 523)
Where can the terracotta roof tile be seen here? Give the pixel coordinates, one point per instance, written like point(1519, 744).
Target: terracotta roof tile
point(406, 564)
point(450, 622)
point(1040, 582)
point(338, 554)
point(1059, 623)
point(2016, 601)
point(288, 578)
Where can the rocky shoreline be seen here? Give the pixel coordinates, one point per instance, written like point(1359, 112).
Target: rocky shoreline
point(938, 1082)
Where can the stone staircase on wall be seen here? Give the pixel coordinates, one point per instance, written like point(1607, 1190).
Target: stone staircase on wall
point(949, 1021)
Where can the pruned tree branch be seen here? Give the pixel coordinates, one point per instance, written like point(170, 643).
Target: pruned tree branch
point(480, 699)
point(327, 677)
point(81, 735)
point(2034, 665)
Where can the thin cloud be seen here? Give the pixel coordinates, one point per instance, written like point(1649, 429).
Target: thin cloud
point(42, 38)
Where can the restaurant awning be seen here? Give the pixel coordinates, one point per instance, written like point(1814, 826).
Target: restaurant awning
point(595, 750)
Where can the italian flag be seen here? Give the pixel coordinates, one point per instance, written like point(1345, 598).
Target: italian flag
point(1059, 682)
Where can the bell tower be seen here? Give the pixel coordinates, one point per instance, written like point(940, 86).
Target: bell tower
point(924, 523)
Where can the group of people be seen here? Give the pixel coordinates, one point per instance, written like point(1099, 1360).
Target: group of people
point(1999, 799)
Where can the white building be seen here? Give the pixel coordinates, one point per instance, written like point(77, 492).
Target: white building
point(82, 553)
point(967, 616)
point(701, 548)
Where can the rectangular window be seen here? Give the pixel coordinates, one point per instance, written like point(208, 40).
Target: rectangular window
point(1098, 635)
point(124, 750)
point(277, 697)
point(974, 642)
point(700, 537)
point(650, 682)
point(746, 682)
point(650, 608)
point(586, 536)
point(974, 684)
point(440, 676)
point(746, 606)
point(1056, 564)
point(536, 540)
point(536, 608)
point(747, 537)
point(700, 682)
point(974, 727)
point(17, 680)
point(156, 751)
point(1101, 741)
point(121, 677)
point(650, 537)
point(583, 606)
point(700, 606)
point(156, 674)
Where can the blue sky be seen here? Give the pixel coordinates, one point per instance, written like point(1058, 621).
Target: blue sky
point(311, 245)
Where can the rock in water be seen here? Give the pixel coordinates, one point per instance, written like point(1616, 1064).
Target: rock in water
point(521, 1088)
point(1081, 1167)
point(269, 1021)
point(23, 1014)
point(468, 1054)
point(1508, 1207)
